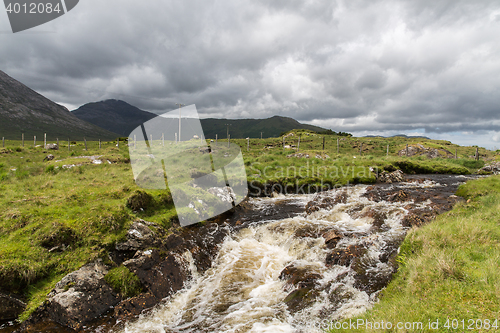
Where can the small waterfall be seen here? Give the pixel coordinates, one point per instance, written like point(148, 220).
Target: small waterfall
point(281, 275)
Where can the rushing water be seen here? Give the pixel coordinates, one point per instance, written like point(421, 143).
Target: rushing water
point(243, 292)
point(248, 288)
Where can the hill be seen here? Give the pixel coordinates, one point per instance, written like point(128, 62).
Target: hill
point(23, 110)
point(113, 115)
point(252, 128)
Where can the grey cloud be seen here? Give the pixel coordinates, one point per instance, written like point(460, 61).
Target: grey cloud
point(352, 65)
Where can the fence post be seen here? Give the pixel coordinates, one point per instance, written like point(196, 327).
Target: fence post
point(456, 156)
point(283, 143)
point(361, 149)
point(99, 143)
point(216, 137)
point(135, 142)
point(228, 140)
point(298, 144)
point(57, 139)
point(69, 145)
point(477, 153)
point(3, 142)
point(175, 137)
point(387, 150)
point(338, 147)
point(44, 140)
point(323, 143)
point(85, 141)
point(248, 144)
point(23, 139)
point(118, 142)
point(34, 141)
point(163, 139)
point(406, 150)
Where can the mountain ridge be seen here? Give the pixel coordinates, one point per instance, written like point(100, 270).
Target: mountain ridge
point(23, 110)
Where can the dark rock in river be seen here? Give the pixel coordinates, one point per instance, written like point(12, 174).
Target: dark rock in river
point(10, 307)
point(344, 257)
point(162, 277)
point(326, 201)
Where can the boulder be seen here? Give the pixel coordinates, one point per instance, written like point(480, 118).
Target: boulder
point(493, 168)
point(326, 200)
point(344, 257)
point(391, 177)
point(139, 237)
point(81, 296)
point(49, 157)
point(10, 307)
point(420, 150)
point(162, 277)
point(52, 146)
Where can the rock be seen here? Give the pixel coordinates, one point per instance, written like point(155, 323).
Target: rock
point(326, 201)
point(302, 283)
point(81, 296)
point(139, 237)
point(344, 257)
point(134, 306)
point(49, 157)
point(161, 277)
point(298, 155)
point(331, 238)
point(52, 146)
point(391, 177)
point(10, 307)
point(419, 149)
point(492, 168)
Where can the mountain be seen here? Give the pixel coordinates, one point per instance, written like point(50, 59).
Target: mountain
point(244, 128)
point(113, 115)
point(120, 117)
point(23, 110)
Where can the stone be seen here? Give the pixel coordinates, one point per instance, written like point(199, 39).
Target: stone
point(81, 296)
point(161, 277)
point(344, 257)
point(331, 238)
point(391, 177)
point(52, 146)
point(49, 157)
point(492, 168)
point(139, 237)
point(10, 307)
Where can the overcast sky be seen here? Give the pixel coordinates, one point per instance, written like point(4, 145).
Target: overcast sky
point(429, 67)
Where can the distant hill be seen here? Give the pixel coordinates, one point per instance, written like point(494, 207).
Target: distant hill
point(23, 110)
point(399, 135)
point(113, 115)
point(122, 118)
point(244, 128)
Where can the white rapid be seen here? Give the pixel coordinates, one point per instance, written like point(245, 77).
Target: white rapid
point(243, 292)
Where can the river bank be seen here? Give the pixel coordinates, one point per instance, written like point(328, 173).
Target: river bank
point(58, 219)
point(339, 244)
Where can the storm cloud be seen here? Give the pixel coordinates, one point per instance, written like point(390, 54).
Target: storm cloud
point(368, 67)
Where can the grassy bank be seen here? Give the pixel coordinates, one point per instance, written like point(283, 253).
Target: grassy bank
point(448, 270)
point(58, 215)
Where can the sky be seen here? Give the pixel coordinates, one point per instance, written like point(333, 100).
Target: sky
point(369, 67)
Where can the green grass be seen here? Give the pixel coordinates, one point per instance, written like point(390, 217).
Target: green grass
point(448, 269)
point(55, 219)
point(124, 282)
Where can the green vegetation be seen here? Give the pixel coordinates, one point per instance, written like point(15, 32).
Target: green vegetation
point(448, 269)
point(124, 282)
point(61, 214)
